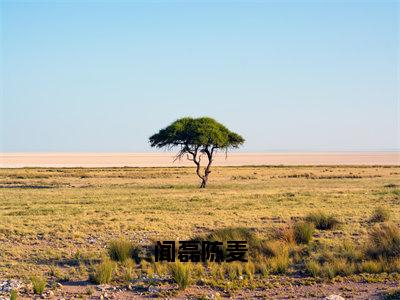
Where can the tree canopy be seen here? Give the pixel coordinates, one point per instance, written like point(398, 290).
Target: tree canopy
point(201, 132)
point(197, 136)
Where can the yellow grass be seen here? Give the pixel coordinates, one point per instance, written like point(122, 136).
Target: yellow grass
point(55, 218)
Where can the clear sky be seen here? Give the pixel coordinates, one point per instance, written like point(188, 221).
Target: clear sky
point(293, 76)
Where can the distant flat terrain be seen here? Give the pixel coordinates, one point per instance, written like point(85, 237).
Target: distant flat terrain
point(165, 159)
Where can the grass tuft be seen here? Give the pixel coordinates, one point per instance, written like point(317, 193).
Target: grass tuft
point(233, 269)
point(371, 266)
point(330, 269)
point(384, 241)
point(303, 232)
point(313, 268)
point(103, 273)
point(380, 214)
point(13, 295)
point(272, 248)
point(181, 274)
point(279, 263)
point(287, 235)
point(322, 221)
point(249, 269)
point(128, 268)
point(38, 284)
point(121, 250)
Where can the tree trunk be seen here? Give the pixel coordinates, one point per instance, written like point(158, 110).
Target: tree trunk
point(203, 179)
point(207, 171)
point(204, 182)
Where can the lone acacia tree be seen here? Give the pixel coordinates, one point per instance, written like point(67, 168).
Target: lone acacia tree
point(197, 137)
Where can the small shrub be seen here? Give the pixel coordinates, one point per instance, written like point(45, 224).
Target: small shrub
point(181, 274)
point(303, 232)
point(328, 271)
point(384, 241)
point(149, 271)
point(272, 248)
point(146, 268)
point(55, 272)
point(38, 284)
point(297, 254)
point(325, 255)
point(162, 268)
point(313, 268)
point(288, 235)
point(198, 270)
point(393, 265)
point(13, 295)
point(322, 221)
point(371, 266)
point(342, 267)
point(380, 214)
point(121, 250)
point(232, 275)
point(249, 269)
point(129, 270)
point(262, 267)
point(103, 273)
point(234, 270)
point(217, 271)
point(331, 268)
point(349, 251)
point(279, 264)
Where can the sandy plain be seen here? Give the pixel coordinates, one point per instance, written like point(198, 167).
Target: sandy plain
point(166, 159)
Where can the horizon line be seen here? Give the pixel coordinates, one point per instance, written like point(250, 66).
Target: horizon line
point(220, 151)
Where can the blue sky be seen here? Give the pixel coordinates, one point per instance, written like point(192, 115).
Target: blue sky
point(292, 76)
